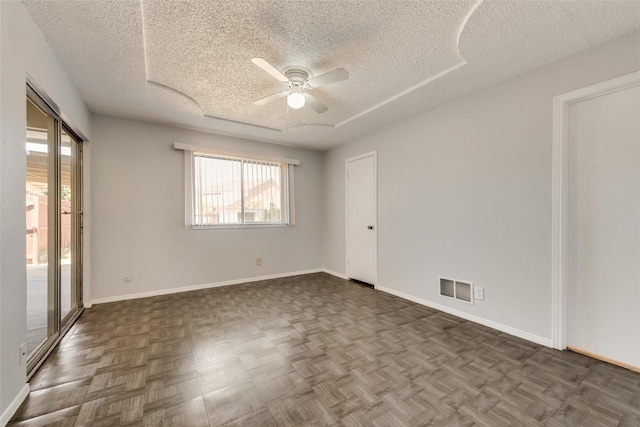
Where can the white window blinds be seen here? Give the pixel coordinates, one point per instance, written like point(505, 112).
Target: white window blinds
point(230, 191)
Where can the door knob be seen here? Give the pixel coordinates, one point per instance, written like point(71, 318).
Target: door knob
point(370, 227)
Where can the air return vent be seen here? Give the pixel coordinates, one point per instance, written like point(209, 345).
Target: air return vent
point(456, 289)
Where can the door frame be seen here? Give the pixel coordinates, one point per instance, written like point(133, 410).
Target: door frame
point(373, 154)
point(560, 197)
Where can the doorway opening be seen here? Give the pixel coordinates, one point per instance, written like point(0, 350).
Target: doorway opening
point(595, 234)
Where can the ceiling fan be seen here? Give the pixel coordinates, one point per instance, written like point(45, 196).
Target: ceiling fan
point(298, 81)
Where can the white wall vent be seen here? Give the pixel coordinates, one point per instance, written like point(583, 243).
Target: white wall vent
point(460, 290)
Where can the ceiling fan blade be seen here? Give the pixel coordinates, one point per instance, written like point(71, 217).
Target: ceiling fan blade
point(328, 78)
point(266, 66)
point(314, 103)
point(271, 98)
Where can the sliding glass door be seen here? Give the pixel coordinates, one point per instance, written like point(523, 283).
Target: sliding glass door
point(54, 228)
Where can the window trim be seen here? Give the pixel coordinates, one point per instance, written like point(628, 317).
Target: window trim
point(287, 171)
point(234, 155)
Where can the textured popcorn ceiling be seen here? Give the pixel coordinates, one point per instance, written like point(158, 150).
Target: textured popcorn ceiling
point(188, 63)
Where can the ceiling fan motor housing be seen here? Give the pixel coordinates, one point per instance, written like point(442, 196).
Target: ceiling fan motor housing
point(296, 75)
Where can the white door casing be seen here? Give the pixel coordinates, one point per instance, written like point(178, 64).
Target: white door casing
point(595, 226)
point(361, 224)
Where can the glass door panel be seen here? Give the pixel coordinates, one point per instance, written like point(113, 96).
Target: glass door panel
point(40, 230)
point(70, 218)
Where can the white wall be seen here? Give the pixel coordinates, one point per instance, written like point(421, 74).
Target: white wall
point(137, 186)
point(465, 191)
point(23, 51)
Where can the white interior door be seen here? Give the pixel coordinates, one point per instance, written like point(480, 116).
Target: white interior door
point(361, 219)
point(603, 316)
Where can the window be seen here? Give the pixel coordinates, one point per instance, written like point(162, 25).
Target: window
point(233, 191)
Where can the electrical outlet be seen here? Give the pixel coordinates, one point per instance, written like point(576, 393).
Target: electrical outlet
point(258, 261)
point(478, 293)
point(22, 350)
point(127, 279)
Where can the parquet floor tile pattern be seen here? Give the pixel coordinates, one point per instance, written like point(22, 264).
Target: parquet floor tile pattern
point(312, 350)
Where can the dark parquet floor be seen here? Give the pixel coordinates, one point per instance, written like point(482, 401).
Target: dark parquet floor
point(313, 350)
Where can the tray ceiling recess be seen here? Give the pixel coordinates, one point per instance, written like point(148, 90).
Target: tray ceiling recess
point(189, 63)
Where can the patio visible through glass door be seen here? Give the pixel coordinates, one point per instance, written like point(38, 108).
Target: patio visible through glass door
point(40, 177)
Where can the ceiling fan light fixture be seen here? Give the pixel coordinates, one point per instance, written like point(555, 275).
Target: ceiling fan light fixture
point(295, 100)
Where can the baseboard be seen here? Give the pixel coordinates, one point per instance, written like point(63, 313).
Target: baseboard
point(547, 342)
point(197, 287)
point(334, 273)
point(15, 404)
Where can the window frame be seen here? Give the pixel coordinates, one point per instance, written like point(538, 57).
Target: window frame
point(287, 186)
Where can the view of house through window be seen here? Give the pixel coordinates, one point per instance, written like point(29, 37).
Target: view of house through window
point(230, 191)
